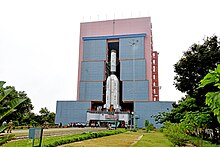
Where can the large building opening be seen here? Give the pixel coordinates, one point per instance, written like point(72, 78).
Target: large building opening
point(113, 44)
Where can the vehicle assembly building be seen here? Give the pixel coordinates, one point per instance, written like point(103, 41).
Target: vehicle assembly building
point(117, 76)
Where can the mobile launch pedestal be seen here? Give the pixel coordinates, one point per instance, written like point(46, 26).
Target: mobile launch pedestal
point(103, 118)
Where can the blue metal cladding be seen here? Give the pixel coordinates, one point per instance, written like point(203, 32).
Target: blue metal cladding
point(71, 111)
point(92, 71)
point(135, 90)
point(146, 111)
point(91, 91)
point(94, 50)
point(131, 48)
point(114, 37)
point(132, 70)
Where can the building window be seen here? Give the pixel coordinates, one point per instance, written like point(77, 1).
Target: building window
point(154, 69)
point(154, 61)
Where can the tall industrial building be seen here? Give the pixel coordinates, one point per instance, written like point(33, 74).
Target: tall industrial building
point(117, 76)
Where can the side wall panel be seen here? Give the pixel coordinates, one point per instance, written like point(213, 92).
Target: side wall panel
point(131, 48)
point(133, 70)
point(94, 50)
point(92, 71)
point(146, 111)
point(135, 90)
point(91, 91)
point(71, 111)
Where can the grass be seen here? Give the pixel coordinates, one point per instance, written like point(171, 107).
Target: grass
point(19, 143)
point(48, 141)
point(153, 139)
point(203, 143)
point(49, 131)
point(119, 140)
point(127, 139)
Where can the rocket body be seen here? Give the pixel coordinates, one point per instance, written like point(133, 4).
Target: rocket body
point(112, 85)
point(113, 61)
point(112, 92)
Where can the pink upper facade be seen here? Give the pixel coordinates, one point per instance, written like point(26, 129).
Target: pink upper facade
point(120, 27)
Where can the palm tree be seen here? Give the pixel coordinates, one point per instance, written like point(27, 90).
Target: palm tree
point(6, 110)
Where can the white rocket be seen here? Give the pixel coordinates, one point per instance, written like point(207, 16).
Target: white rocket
point(112, 86)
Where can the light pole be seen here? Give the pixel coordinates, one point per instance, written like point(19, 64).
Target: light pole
point(131, 121)
point(134, 119)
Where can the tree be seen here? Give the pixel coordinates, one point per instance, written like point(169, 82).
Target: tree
point(179, 110)
point(194, 65)
point(190, 70)
point(7, 108)
point(46, 116)
point(28, 118)
point(213, 98)
point(23, 109)
point(195, 123)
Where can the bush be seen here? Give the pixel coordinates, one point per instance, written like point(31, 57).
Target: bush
point(175, 133)
point(5, 138)
point(147, 123)
point(149, 126)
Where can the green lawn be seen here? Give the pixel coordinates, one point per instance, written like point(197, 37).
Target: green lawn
point(127, 139)
point(61, 139)
point(119, 140)
point(153, 139)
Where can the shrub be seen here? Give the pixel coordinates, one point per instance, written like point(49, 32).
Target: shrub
point(175, 133)
point(147, 123)
point(149, 126)
point(5, 138)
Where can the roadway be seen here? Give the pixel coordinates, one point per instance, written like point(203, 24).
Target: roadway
point(22, 134)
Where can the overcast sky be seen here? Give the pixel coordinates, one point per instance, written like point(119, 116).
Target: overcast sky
point(39, 40)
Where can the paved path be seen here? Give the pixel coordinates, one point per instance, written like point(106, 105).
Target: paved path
point(22, 134)
point(58, 130)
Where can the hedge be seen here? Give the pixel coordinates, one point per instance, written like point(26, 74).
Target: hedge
point(81, 137)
